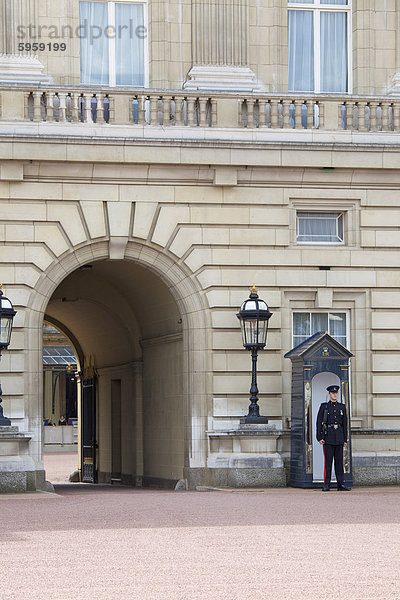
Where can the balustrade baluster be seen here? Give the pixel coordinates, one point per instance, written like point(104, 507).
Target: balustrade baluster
point(374, 124)
point(166, 111)
point(141, 110)
point(250, 113)
point(28, 104)
point(63, 109)
point(385, 116)
point(242, 113)
point(319, 115)
point(310, 114)
point(52, 111)
point(297, 114)
point(262, 113)
point(274, 114)
point(74, 107)
point(213, 113)
point(191, 111)
point(179, 110)
point(396, 116)
point(285, 113)
point(203, 111)
point(265, 119)
point(88, 108)
point(100, 108)
point(153, 108)
point(37, 106)
point(349, 116)
point(68, 108)
point(362, 121)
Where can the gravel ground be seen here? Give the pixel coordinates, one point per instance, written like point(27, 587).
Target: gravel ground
point(60, 465)
point(105, 542)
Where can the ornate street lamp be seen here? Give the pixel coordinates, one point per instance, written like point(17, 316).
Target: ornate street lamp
point(253, 316)
point(7, 314)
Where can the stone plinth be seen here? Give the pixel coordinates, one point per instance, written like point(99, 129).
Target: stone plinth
point(249, 456)
point(223, 77)
point(15, 68)
point(17, 469)
point(376, 457)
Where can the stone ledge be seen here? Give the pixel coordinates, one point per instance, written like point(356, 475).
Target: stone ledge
point(376, 459)
point(271, 460)
point(271, 432)
point(370, 432)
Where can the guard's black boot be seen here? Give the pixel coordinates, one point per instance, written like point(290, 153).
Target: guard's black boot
point(326, 487)
point(343, 488)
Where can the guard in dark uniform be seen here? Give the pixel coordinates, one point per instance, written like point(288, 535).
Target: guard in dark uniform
point(332, 434)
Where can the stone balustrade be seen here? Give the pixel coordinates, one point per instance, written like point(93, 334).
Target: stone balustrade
point(199, 109)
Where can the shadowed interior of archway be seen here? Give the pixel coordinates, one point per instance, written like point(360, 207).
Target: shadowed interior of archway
point(128, 325)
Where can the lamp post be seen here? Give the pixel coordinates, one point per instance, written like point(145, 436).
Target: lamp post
point(7, 314)
point(253, 316)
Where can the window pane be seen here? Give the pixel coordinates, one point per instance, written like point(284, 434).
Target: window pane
point(334, 2)
point(306, 324)
point(319, 322)
point(320, 227)
point(301, 324)
point(301, 50)
point(337, 325)
point(301, 1)
point(129, 44)
point(340, 227)
point(333, 52)
point(93, 17)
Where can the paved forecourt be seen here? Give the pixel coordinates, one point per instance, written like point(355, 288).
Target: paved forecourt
point(107, 542)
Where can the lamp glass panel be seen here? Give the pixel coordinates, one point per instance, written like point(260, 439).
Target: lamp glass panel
point(5, 330)
point(262, 332)
point(251, 331)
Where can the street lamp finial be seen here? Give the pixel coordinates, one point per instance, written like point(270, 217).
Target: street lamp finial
point(253, 289)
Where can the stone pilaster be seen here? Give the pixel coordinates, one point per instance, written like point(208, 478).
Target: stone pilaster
point(220, 32)
point(220, 46)
point(18, 22)
point(15, 14)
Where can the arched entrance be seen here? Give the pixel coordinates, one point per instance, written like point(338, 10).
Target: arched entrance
point(135, 321)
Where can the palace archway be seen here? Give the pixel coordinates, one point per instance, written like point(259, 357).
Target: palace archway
point(142, 383)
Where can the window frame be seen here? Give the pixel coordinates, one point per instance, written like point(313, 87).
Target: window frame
point(325, 312)
point(317, 8)
point(111, 12)
point(338, 214)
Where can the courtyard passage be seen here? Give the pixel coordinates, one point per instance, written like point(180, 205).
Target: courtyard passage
point(105, 542)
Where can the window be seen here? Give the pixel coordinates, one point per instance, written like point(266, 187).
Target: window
point(318, 45)
point(112, 43)
point(306, 324)
point(319, 228)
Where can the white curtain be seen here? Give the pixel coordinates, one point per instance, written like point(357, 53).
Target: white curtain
point(301, 327)
point(301, 50)
point(93, 18)
point(337, 327)
point(129, 51)
point(318, 227)
point(319, 322)
point(333, 51)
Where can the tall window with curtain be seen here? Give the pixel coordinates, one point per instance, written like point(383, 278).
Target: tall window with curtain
point(318, 33)
point(112, 43)
point(306, 324)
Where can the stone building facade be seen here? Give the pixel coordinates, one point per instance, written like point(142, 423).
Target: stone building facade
point(159, 157)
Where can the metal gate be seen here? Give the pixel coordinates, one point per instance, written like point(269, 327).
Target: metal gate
point(89, 444)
